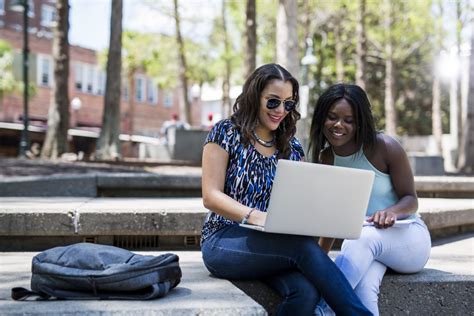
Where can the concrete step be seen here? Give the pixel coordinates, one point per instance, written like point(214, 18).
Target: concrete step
point(35, 223)
point(197, 294)
point(444, 186)
point(172, 182)
point(138, 223)
point(178, 182)
point(443, 287)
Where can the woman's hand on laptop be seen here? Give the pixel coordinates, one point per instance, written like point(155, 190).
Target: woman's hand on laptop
point(257, 218)
point(383, 219)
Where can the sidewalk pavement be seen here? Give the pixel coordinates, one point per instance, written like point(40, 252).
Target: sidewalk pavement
point(197, 294)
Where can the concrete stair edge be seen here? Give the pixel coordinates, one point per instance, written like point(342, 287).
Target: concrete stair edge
point(92, 184)
point(38, 216)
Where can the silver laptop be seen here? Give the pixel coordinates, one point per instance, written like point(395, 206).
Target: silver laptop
point(317, 200)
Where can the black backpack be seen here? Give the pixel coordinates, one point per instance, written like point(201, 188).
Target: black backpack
point(91, 271)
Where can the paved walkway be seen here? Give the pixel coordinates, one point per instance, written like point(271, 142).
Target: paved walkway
point(197, 294)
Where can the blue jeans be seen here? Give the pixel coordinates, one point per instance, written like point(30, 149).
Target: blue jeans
point(294, 265)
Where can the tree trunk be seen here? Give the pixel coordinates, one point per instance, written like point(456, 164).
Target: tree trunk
point(437, 127)
point(361, 46)
point(130, 126)
point(227, 62)
point(286, 36)
point(250, 38)
point(456, 84)
point(108, 144)
point(182, 67)
point(436, 108)
point(131, 102)
point(453, 117)
point(339, 50)
point(466, 153)
point(390, 111)
point(56, 141)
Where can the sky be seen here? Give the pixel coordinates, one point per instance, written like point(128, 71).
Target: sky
point(90, 19)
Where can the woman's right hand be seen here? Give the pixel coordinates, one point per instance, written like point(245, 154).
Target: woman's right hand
point(383, 219)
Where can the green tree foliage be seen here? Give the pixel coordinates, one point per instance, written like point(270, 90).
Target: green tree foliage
point(266, 36)
point(8, 83)
point(156, 55)
point(233, 53)
point(412, 36)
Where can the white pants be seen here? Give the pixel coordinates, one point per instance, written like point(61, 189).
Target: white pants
point(364, 261)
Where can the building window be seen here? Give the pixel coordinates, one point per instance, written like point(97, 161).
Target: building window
point(125, 90)
point(48, 15)
point(78, 76)
point(140, 89)
point(100, 82)
point(168, 101)
point(2, 7)
point(45, 71)
point(89, 79)
point(152, 92)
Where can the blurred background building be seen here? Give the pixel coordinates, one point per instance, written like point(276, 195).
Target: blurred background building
point(144, 107)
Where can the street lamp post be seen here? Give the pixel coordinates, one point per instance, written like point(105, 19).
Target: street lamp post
point(22, 6)
point(76, 105)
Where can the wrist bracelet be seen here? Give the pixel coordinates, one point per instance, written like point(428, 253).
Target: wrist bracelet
point(247, 216)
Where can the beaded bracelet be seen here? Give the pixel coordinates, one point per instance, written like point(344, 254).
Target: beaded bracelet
point(247, 216)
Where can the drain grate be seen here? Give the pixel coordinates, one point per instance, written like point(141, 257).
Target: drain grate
point(90, 239)
point(136, 242)
point(191, 240)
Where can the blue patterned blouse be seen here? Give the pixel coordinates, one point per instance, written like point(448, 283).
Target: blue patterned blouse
point(249, 176)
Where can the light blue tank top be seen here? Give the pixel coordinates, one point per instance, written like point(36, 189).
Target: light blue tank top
point(383, 194)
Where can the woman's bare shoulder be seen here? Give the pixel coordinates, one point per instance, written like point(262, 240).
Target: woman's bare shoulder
point(389, 148)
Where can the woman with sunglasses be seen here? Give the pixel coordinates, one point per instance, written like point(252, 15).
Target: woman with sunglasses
point(239, 161)
point(343, 134)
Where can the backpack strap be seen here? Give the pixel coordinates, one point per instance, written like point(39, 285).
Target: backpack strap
point(22, 294)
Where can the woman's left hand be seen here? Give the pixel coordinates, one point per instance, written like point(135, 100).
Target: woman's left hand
point(383, 219)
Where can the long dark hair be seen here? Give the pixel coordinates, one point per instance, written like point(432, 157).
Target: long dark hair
point(365, 127)
point(247, 106)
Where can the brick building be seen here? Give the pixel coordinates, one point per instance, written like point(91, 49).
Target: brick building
point(142, 113)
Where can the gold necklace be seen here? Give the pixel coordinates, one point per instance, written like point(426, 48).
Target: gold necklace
point(262, 142)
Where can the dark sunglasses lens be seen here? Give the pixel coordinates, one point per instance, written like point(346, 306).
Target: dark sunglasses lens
point(289, 105)
point(273, 103)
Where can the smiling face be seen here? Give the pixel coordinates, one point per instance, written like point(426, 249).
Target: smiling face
point(270, 119)
point(340, 128)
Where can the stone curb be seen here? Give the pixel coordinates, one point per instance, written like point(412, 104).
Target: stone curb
point(178, 184)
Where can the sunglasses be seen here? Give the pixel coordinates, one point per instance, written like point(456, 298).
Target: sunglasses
point(274, 103)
